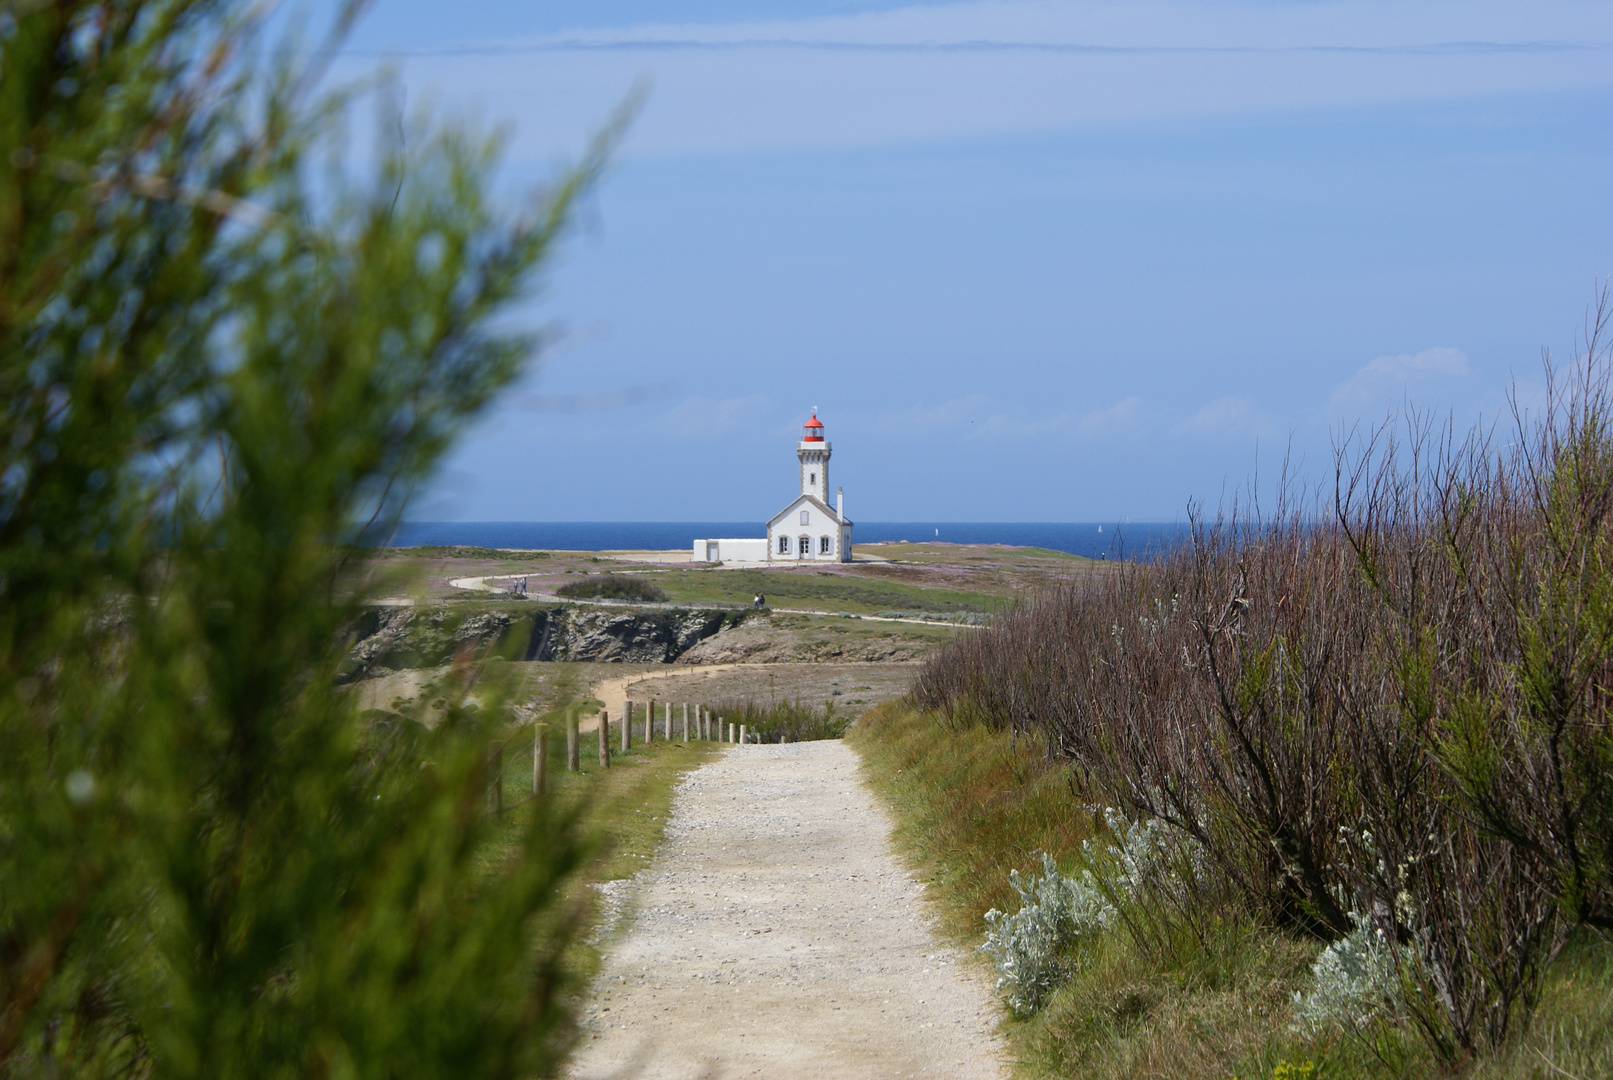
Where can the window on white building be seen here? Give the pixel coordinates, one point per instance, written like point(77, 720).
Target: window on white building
point(805, 518)
point(812, 478)
point(823, 545)
point(784, 545)
point(806, 545)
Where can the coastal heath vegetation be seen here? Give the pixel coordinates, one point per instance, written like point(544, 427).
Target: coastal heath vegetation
point(782, 719)
point(226, 349)
point(613, 587)
point(1375, 722)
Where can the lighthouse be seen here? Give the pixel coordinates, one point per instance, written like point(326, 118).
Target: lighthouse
point(809, 529)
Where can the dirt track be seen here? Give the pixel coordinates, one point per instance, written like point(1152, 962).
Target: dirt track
point(776, 935)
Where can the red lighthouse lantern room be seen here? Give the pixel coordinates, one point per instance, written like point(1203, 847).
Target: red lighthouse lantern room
point(813, 431)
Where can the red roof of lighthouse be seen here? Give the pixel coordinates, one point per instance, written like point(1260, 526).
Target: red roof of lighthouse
point(814, 421)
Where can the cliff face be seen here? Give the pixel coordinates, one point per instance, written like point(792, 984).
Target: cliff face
point(392, 638)
point(656, 636)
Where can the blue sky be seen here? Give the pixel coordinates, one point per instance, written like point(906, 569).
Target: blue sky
point(1031, 260)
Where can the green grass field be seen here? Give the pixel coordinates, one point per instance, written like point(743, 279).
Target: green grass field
point(934, 578)
point(999, 554)
point(820, 590)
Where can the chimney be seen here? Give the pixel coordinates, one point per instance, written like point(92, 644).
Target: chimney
point(840, 503)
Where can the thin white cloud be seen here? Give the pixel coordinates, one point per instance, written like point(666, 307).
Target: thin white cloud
point(699, 417)
point(1226, 417)
point(1386, 379)
point(955, 415)
point(964, 70)
point(976, 416)
point(1116, 419)
point(1097, 25)
point(1097, 423)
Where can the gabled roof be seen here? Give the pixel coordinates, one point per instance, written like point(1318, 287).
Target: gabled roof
point(815, 501)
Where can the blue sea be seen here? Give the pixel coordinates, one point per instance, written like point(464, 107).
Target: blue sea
point(1096, 540)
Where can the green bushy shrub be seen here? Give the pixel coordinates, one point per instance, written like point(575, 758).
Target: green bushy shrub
point(220, 364)
point(613, 587)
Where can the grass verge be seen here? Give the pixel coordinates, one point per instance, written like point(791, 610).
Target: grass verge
point(969, 807)
point(971, 804)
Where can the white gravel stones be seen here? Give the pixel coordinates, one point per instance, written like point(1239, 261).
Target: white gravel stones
point(776, 935)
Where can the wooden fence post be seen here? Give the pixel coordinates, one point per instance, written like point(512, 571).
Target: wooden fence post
point(649, 722)
point(604, 738)
point(540, 757)
point(685, 721)
point(741, 734)
point(627, 725)
point(730, 731)
point(495, 794)
point(573, 751)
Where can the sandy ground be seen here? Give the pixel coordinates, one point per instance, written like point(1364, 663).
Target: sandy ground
point(384, 691)
point(776, 935)
point(615, 693)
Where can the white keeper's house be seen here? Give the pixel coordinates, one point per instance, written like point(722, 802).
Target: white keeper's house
point(808, 529)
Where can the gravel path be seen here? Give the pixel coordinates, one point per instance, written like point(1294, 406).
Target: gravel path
point(776, 935)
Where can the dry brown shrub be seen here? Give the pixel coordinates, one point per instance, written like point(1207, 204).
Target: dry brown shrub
point(1394, 711)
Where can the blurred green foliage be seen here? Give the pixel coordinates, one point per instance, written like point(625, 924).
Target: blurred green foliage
point(224, 350)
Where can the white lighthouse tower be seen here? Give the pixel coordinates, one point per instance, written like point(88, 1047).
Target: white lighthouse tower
point(809, 529)
point(813, 451)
